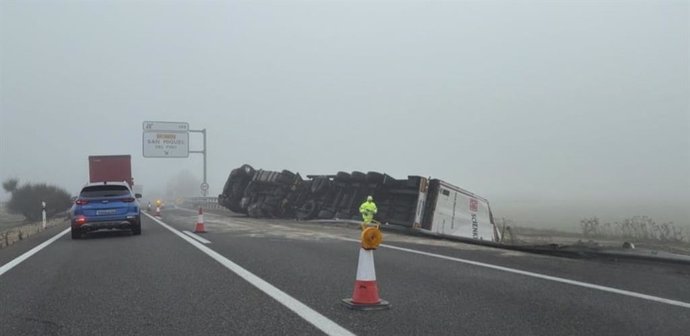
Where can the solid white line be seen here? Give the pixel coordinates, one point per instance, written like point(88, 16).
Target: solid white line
point(199, 239)
point(542, 276)
point(16, 261)
point(323, 323)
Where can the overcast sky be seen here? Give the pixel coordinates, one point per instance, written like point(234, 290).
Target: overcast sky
point(552, 110)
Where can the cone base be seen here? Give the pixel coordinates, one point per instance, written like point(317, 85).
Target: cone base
point(382, 305)
point(198, 229)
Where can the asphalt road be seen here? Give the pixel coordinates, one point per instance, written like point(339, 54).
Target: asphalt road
point(259, 277)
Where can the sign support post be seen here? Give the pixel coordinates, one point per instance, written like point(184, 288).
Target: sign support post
point(204, 184)
point(165, 139)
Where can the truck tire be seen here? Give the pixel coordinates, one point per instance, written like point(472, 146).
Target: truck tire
point(286, 177)
point(247, 170)
point(325, 214)
point(374, 177)
point(319, 185)
point(342, 214)
point(358, 176)
point(342, 177)
point(254, 210)
point(388, 180)
point(307, 210)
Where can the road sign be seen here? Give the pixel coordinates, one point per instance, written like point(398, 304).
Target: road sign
point(150, 126)
point(162, 144)
point(204, 186)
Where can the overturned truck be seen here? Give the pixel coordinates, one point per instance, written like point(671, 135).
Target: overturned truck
point(428, 205)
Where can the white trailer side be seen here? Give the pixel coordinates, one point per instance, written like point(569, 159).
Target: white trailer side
point(455, 212)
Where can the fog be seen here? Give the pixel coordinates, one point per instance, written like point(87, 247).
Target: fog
point(552, 110)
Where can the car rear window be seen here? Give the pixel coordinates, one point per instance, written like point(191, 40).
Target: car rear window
point(104, 191)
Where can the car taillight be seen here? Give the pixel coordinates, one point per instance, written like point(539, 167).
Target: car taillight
point(81, 202)
point(80, 220)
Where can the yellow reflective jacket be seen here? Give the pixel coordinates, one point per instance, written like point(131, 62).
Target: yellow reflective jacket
point(368, 208)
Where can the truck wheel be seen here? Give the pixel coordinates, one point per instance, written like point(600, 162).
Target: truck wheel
point(76, 234)
point(286, 177)
point(342, 214)
point(307, 210)
point(254, 210)
point(358, 176)
point(342, 177)
point(374, 177)
point(320, 184)
point(325, 214)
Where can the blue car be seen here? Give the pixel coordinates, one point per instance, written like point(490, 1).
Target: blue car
point(105, 206)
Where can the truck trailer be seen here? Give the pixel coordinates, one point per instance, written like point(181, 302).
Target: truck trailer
point(430, 206)
point(103, 168)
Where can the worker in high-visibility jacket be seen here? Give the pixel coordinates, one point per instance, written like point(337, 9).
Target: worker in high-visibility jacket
point(368, 210)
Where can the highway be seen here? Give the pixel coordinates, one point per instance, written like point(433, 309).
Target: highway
point(277, 277)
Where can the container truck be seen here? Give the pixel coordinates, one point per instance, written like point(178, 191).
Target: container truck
point(104, 168)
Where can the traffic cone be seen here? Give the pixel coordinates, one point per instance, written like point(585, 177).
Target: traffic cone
point(158, 211)
point(365, 296)
point(200, 228)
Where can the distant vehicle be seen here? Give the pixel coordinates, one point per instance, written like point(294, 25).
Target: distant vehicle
point(111, 168)
point(105, 206)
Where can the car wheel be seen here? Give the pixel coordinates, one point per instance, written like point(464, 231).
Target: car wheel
point(136, 230)
point(76, 234)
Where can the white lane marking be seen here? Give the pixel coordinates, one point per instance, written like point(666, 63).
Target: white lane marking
point(16, 261)
point(323, 323)
point(197, 237)
point(542, 276)
point(535, 275)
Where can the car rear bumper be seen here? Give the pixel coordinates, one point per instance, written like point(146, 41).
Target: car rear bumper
point(107, 225)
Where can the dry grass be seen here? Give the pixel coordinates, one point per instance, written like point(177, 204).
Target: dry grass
point(14, 228)
point(531, 236)
point(8, 220)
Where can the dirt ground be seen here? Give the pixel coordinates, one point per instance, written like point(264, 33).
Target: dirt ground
point(9, 220)
point(532, 236)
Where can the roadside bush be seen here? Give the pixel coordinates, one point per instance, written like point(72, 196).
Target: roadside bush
point(634, 228)
point(26, 200)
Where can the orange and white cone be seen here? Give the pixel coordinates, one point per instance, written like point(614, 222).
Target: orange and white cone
point(200, 228)
point(365, 296)
point(158, 211)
